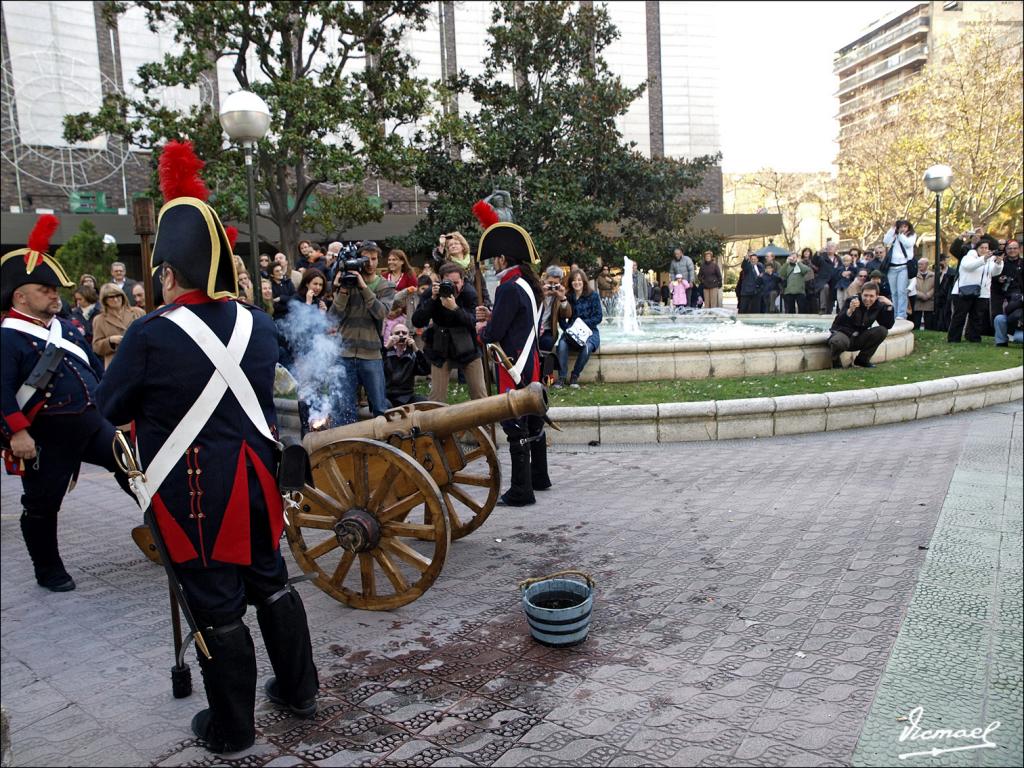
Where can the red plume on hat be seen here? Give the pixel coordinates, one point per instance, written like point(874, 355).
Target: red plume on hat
point(39, 240)
point(485, 214)
point(179, 172)
point(232, 233)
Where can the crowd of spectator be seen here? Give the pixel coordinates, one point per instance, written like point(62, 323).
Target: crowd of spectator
point(395, 323)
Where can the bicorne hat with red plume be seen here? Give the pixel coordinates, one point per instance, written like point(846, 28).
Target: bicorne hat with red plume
point(189, 235)
point(32, 264)
point(503, 238)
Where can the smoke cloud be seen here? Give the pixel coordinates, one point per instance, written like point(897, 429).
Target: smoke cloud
point(318, 368)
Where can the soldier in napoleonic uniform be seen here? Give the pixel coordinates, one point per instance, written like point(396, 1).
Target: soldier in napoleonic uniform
point(197, 376)
point(50, 421)
point(513, 325)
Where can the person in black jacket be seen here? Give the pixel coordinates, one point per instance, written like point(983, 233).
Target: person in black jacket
point(451, 337)
point(749, 286)
point(826, 267)
point(852, 329)
point(943, 302)
point(402, 364)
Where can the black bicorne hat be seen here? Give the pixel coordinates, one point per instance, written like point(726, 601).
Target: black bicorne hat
point(189, 234)
point(32, 264)
point(503, 238)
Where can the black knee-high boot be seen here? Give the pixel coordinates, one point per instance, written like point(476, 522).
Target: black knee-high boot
point(40, 532)
point(539, 463)
point(229, 725)
point(286, 634)
point(520, 494)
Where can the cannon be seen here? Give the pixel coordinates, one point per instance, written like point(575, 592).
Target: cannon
point(388, 495)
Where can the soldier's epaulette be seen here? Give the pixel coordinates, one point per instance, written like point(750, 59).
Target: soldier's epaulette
point(159, 312)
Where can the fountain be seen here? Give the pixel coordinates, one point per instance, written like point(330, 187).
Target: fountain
point(714, 343)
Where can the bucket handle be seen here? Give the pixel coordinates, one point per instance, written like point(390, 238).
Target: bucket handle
point(528, 582)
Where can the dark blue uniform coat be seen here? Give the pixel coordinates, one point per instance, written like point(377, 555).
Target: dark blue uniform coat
point(510, 325)
point(203, 505)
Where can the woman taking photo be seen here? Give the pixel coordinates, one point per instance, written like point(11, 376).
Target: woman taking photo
point(586, 309)
point(109, 325)
point(399, 271)
point(900, 241)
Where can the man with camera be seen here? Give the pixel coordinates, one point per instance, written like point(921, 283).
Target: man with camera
point(556, 307)
point(1003, 285)
point(402, 364)
point(362, 299)
point(450, 311)
point(854, 328)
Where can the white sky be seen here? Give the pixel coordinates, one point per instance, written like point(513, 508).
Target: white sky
point(778, 105)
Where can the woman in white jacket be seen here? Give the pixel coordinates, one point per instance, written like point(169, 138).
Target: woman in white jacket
point(970, 294)
point(900, 240)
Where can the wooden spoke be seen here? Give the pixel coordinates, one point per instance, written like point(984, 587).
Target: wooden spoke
point(344, 565)
point(401, 507)
point(366, 575)
point(360, 479)
point(391, 571)
point(404, 552)
point(469, 501)
point(383, 489)
point(338, 485)
point(358, 473)
point(481, 470)
point(465, 478)
point(409, 530)
point(321, 549)
point(309, 520)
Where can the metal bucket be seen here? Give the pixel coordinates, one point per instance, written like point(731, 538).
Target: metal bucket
point(558, 610)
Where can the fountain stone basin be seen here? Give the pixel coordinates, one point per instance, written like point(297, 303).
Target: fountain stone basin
point(655, 356)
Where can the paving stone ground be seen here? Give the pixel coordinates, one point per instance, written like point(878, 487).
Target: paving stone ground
point(759, 602)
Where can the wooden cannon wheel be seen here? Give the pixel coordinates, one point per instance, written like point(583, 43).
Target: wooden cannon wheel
point(468, 508)
point(373, 530)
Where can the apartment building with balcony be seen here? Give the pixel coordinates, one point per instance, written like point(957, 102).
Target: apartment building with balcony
point(885, 57)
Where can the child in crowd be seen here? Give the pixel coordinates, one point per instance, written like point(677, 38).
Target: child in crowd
point(397, 315)
point(680, 288)
point(771, 288)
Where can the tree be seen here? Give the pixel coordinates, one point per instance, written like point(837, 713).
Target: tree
point(545, 131)
point(334, 121)
point(86, 253)
point(965, 110)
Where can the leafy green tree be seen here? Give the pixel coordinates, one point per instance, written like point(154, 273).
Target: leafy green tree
point(545, 131)
point(334, 121)
point(86, 253)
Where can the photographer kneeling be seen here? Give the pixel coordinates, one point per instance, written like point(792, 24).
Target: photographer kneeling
point(852, 329)
point(579, 330)
point(361, 302)
point(450, 311)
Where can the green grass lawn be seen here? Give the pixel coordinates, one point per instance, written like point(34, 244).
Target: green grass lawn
point(932, 358)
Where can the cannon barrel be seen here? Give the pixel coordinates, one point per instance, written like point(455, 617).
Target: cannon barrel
point(533, 400)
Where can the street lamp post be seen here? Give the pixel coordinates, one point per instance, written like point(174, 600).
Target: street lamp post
point(937, 179)
point(245, 118)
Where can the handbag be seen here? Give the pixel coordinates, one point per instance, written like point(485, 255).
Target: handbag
point(579, 332)
point(911, 264)
point(970, 291)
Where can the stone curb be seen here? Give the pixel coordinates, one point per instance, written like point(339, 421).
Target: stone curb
point(784, 415)
point(765, 416)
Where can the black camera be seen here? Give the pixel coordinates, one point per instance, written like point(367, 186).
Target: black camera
point(446, 289)
point(352, 265)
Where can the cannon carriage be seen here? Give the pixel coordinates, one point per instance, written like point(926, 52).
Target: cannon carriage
point(388, 496)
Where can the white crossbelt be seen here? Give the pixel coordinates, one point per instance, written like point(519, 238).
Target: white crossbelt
point(517, 370)
point(54, 334)
point(227, 375)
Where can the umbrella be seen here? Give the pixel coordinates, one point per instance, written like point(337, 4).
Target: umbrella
point(773, 249)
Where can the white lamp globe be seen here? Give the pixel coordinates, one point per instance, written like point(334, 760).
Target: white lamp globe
point(245, 117)
point(938, 178)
